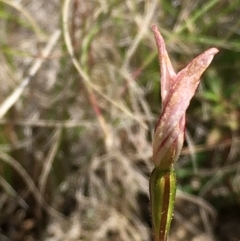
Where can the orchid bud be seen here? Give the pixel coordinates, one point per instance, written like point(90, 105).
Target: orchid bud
point(176, 92)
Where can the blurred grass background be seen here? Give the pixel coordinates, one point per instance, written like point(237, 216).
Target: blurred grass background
point(79, 100)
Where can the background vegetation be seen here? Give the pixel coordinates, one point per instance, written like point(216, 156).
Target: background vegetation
point(79, 99)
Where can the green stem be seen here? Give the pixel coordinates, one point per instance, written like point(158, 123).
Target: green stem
point(162, 197)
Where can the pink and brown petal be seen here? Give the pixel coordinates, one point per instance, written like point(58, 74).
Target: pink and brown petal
point(176, 92)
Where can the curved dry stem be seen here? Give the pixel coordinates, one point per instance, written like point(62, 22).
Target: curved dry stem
point(28, 16)
point(10, 191)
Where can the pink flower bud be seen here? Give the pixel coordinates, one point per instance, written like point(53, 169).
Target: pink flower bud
point(176, 92)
